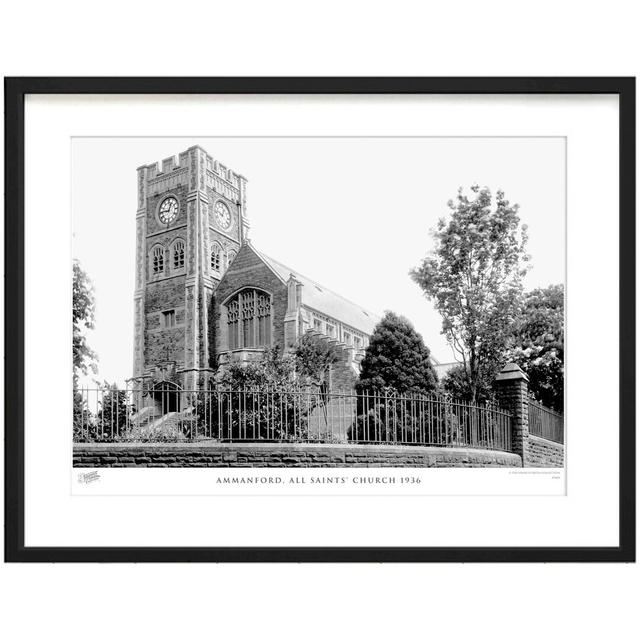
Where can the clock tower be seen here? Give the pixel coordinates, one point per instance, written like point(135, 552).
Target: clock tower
point(190, 224)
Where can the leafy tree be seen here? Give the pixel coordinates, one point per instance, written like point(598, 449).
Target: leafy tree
point(257, 401)
point(274, 402)
point(315, 357)
point(456, 383)
point(474, 276)
point(112, 417)
point(538, 344)
point(84, 358)
point(109, 422)
point(84, 424)
point(397, 359)
point(272, 370)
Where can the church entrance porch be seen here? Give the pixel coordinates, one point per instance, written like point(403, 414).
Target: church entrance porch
point(166, 397)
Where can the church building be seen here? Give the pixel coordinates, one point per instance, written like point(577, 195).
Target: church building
point(206, 297)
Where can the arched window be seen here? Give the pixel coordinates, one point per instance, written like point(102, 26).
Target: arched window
point(158, 260)
point(232, 320)
point(178, 255)
point(264, 319)
point(216, 257)
point(247, 305)
point(249, 320)
point(230, 257)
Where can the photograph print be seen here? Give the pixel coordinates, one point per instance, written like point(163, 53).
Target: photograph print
point(318, 302)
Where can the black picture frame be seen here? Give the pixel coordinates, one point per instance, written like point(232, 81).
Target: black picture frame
point(15, 91)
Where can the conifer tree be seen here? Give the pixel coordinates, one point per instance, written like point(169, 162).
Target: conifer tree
point(397, 358)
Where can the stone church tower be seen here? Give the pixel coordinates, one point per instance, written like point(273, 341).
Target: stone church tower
point(190, 224)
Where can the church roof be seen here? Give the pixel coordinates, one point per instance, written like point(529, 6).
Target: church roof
point(325, 301)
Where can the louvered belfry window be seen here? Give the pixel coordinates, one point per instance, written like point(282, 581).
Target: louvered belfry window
point(178, 255)
point(249, 320)
point(158, 260)
point(215, 257)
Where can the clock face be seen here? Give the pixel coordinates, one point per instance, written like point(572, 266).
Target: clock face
point(223, 215)
point(168, 211)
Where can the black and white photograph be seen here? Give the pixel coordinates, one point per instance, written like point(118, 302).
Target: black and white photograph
point(316, 302)
point(263, 323)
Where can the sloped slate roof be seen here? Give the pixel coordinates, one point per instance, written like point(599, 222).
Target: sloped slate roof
point(325, 301)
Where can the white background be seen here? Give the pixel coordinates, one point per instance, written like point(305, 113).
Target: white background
point(489, 38)
point(586, 516)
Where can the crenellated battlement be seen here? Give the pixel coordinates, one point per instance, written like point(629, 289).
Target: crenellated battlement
point(214, 167)
point(165, 166)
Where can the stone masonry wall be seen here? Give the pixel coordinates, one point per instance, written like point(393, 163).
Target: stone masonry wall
point(248, 270)
point(164, 344)
point(283, 455)
point(544, 453)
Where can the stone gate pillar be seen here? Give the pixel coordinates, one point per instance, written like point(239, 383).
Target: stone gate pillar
point(513, 394)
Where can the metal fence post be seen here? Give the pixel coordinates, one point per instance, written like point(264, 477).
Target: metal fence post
point(513, 393)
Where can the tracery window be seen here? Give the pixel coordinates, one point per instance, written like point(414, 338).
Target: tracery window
point(232, 320)
point(215, 257)
point(264, 319)
point(249, 320)
point(178, 255)
point(158, 260)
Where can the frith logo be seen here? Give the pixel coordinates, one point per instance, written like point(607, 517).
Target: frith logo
point(90, 476)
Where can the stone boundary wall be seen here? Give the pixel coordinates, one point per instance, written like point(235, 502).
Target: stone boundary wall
point(209, 454)
point(544, 453)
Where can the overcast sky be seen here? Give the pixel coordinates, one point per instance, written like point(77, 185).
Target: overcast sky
point(351, 213)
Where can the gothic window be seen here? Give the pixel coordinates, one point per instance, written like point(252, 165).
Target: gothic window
point(249, 320)
point(215, 257)
point(264, 319)
point(158, 260)
point(232, 320)
point(230, 257)
point(178, 255)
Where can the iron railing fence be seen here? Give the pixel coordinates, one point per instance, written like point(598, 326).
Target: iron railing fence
point(545, 423)
point(287, 415)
